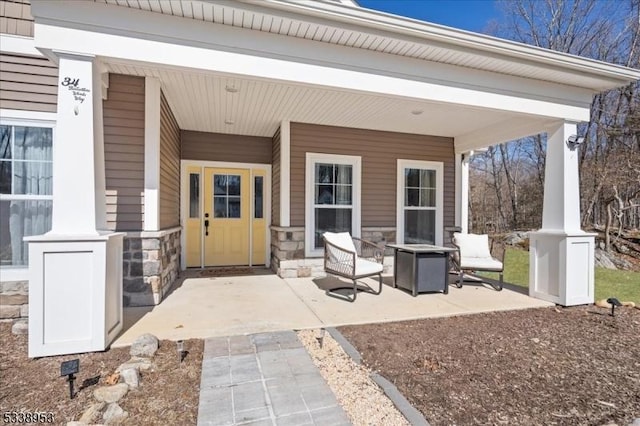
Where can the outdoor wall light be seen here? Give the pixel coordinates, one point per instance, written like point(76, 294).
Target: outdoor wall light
point(574, 141)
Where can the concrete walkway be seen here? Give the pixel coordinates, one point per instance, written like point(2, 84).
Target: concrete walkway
point(242, 305)
point(264, 379)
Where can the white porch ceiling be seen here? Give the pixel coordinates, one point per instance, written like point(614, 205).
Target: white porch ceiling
point(202, 102)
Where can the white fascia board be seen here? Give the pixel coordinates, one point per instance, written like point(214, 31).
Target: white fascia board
point(508, 130)
point(350, 69)
point(19, 45)
point(611, 74)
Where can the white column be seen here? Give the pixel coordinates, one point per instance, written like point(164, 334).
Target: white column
point(561, 254)
point(77, 196)
point(285, 173)
point(152, 154)
point(75, 270)
point(462, 190)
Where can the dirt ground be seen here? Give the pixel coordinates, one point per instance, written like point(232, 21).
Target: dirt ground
point(551, 366)
point(167, 396)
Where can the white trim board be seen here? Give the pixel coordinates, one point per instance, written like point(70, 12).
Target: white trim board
point(19, 45)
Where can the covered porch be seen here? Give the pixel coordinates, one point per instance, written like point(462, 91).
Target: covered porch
point(320, 86)
point(201, 307)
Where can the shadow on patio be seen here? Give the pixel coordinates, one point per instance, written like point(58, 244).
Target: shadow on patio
point(259, 301)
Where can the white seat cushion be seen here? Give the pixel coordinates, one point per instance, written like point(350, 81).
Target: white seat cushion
point(481, 264)
point(367, 267)
point(472, 245)
point(474, 252)
point(340, 239)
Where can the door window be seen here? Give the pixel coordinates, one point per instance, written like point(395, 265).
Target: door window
point(226, 196)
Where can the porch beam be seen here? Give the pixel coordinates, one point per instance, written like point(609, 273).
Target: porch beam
point(504, 131)
point(287, 59)
point(151, 154)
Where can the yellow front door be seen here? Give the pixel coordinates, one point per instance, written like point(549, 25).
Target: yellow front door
point(227, 213)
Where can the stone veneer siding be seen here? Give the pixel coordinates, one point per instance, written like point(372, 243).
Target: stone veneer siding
point(151, 264)
point(287, 251)
point(14, 300)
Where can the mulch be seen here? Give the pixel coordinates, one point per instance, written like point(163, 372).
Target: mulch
point(551, 366)
point(168, 395)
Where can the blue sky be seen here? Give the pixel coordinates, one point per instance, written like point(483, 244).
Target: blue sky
point(472, 15)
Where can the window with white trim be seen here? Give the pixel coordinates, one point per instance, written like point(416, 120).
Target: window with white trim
point(26, 195)
point(420, 201)
point(332, 197)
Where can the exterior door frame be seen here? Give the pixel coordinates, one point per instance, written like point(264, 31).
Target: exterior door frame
point(184, 203)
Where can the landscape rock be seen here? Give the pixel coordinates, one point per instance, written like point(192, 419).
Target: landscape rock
point(110, 394)
point(621, 263)
point(636, 422)
point(515, 238)
point(145, 345)
point(20, 327)
point(75, 423)
point(114, 414)
point(92, 413)
point(603, 260)
point(140, 364)
point(131, 377)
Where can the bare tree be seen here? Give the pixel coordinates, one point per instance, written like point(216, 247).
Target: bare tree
point(610, 185)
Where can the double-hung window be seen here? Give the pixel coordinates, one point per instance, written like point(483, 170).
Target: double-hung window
point(25, 186)
point(420, 199)
point(332, 198)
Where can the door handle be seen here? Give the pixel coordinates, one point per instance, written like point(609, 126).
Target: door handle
point(206, 225)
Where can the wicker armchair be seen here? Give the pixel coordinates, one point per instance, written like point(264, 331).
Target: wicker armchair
point(474, 254)
point(351, 258)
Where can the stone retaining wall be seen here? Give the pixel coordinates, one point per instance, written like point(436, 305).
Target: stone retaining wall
point(151, 264)
point(287, 251)
point(14, 300)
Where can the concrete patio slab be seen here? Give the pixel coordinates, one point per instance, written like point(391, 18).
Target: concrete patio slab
point(398, 305)
point(220, 306)
point(241, 305)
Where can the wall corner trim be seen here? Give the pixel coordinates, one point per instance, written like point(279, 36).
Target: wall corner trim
point(152, 100)
point(285, 173)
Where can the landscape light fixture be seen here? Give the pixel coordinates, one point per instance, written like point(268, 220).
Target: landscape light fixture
point(574, 141)
point(69, 368)
point(180, 348)
point(613, 302)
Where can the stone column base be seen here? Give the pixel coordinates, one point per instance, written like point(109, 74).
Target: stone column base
point(151, 264)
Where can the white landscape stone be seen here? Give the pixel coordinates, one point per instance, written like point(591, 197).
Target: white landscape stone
point(92, 413)
point(140, 364)
point(145, 345)
point(114, 414)
point(110, 394)
point(131, 377)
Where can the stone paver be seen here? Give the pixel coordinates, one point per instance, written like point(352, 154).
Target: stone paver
point(264, 379)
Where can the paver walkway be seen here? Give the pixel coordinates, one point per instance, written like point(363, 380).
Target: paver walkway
point(264, 379)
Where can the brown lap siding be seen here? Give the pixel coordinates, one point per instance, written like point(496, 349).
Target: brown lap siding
point(380, 152)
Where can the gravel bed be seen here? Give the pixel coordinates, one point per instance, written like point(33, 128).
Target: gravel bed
point(362, 399)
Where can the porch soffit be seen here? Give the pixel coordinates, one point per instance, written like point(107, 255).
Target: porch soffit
point(209, 102)
point(360, 28)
